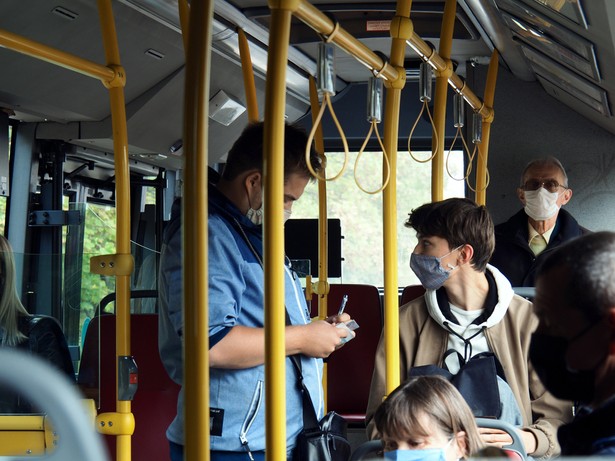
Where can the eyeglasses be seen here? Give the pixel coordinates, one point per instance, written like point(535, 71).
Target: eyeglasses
point(550, 184)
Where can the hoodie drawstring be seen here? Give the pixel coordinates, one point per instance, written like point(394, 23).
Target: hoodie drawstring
point(467, 350)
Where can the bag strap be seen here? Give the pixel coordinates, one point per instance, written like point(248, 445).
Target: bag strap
point(310, 421)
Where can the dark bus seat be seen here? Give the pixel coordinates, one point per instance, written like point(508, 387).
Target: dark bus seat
point(154, 405)
point(350, 368)
point(370, 450)
point(411, 292)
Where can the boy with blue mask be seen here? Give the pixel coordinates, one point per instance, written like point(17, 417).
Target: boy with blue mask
point(427, 419)
point(470, 324)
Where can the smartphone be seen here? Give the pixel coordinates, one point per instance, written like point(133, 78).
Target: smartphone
point(349, 327)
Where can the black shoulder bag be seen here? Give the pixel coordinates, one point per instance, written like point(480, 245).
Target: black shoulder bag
point(476, 381)
point(323, 440)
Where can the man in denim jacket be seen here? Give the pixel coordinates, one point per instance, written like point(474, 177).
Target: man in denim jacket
point(236, 312)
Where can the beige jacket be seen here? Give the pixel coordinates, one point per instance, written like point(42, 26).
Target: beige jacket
point(423, 342)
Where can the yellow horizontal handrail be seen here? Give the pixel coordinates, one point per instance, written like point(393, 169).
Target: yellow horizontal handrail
point(322, 24)
point(327, 27)
point(46, 53)
point(22, 422)
point(428, 54)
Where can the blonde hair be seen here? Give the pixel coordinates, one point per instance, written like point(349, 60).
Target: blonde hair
point(10, 305)
point(399, 417)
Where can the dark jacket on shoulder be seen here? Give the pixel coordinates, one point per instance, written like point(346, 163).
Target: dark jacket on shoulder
point(46, 340)
point(513, 256)
point(591, 433)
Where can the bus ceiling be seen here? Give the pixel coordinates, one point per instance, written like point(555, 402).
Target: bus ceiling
point(562, 45)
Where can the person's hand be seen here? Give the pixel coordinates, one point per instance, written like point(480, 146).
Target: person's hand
point(335, 319)
point(495, 437)
point(321, 338)
point(499, 438)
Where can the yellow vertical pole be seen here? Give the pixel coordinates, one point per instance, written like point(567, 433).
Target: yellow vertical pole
point(248, 76)
point(273, 172)
point(483, 147)
point(323, 254)
point(401, 30)
point(196, 340)
point(122, 194)
point(441, 93)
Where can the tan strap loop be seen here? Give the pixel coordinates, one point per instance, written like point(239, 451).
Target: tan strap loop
point(336, 29)
point(430, 57)
point(378, 73)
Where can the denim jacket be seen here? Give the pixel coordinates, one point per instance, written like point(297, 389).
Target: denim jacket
point(236, 294)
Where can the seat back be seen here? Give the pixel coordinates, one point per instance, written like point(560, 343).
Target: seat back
point(155, 402)
point(411, 292)
point(349, 370)
point(370, 450)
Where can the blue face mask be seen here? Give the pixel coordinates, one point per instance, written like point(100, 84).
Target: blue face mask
point(425, 454)
point(421, 454)
point(429, 270)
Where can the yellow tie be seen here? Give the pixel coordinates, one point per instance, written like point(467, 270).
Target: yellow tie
point(538, 244)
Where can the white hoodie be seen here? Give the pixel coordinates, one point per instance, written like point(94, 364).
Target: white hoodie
point(475, 336)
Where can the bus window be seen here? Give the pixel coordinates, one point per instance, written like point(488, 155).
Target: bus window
point(150, 195)
point(3, 198)
point(145, 254)
point(99, 240)
point(361, 217)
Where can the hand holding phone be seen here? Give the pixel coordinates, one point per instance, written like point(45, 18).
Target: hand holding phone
point(349, 326)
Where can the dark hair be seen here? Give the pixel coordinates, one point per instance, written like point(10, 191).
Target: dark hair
point(459, 221)
point(247, 152)
point(590, 264)
point(399, 416)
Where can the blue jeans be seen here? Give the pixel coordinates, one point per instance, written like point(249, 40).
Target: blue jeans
point(177, 454)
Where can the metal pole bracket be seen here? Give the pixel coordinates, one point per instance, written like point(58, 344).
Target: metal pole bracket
point(112, 265)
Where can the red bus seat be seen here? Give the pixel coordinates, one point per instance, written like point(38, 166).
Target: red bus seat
point(350, 368)
point(155, 402)
point(411, 292)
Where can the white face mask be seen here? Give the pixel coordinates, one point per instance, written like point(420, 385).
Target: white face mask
point(256, 216)
point(541, 204)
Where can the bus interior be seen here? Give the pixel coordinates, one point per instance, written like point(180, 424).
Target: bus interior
point(554, 88)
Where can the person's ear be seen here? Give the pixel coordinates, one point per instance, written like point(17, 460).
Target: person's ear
point(460, 445)
point(565, 197)
point(521, 195)
point(253, 185)
point(466, 253)
point(253, 179)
